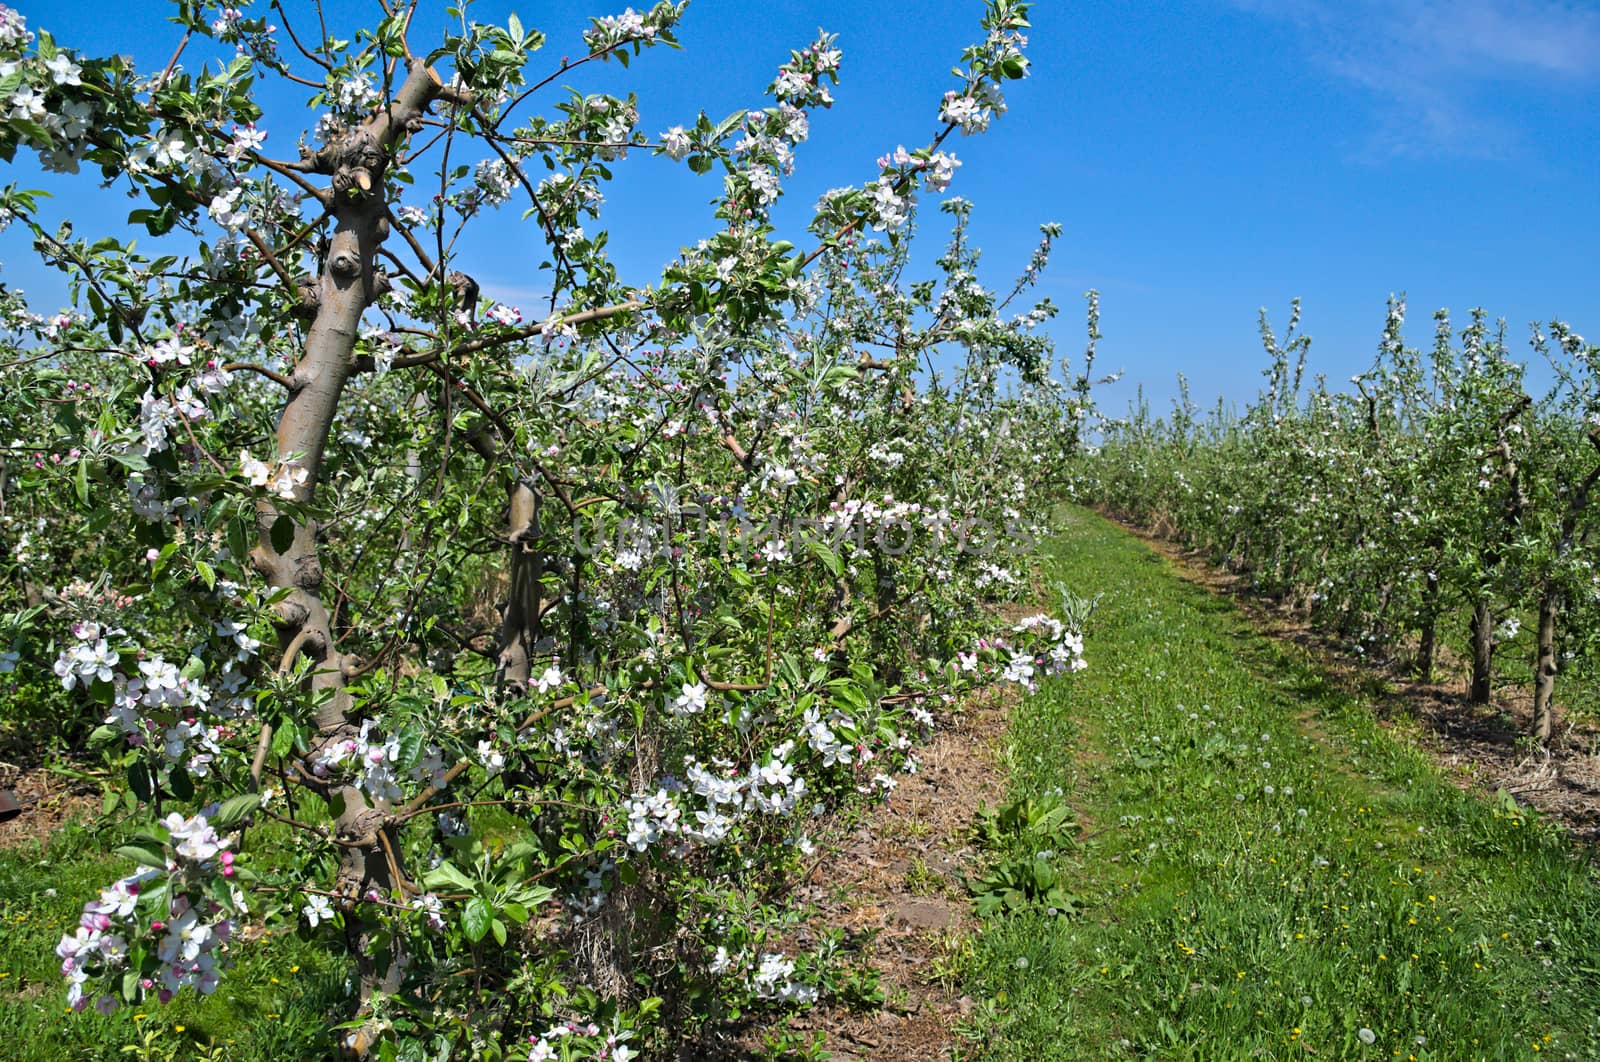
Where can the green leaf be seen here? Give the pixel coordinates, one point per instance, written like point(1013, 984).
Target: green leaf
point(144, 855)
point(410, 747)
point(283, 740)
point(103, 736)
point(476, 918)
point(446, 873)
point(234, 810)
point(80, 482)
point(498, 928)
point(139, 781)
point(237, 544)
point(840, 374)
point(282, 534)
point(826, 556)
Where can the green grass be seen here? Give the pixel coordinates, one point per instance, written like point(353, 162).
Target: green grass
point(1268, 873)
point(273, 1006)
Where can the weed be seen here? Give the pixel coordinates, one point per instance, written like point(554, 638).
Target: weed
point(791, 1046)
point(923, 880)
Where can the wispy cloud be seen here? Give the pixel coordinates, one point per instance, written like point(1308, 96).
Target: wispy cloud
point(1432, 67)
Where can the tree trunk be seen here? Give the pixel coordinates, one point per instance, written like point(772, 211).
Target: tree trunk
point(1545, 665)
point(520, 626)
point(347, 285)
point(1427, 646)
point(1482, 652)
point(1380, 623)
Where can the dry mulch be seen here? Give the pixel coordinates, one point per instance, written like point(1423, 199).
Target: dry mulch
point(1477, 745)
point(894, 885)
point(48, 800)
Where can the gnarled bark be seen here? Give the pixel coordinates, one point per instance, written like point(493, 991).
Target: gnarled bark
point(347, 285)
point(520, 626)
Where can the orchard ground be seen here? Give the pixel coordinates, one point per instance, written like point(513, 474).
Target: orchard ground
point(1268, 871)
point(1259, 868)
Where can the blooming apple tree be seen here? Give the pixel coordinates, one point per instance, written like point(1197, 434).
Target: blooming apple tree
point(1439, 487)
point(537, 645)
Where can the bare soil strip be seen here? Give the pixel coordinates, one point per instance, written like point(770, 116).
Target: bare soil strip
point(894, 885)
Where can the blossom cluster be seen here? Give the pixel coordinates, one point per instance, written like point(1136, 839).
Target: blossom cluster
point(375, 760)
point(156, 705)
point(573, 1040)
point(777, 785)
point(41, 97)
point(774, 787)
point(167, 915)
point(249, 36)
point(14, 32)
point(769, 978)
point(630, 27)
point(280, 480)
point(765, 149)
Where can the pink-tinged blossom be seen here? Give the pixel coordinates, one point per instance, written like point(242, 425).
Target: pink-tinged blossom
point(965, 112)
point(14, 33)
point(246, 139)
point(941, 169)
point(503, 314)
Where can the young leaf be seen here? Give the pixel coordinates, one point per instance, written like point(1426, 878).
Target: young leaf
point(476, 918)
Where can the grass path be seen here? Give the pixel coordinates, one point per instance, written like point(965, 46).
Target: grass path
point(1267, 873)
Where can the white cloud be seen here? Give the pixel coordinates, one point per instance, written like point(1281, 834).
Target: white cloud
point(1432, 67)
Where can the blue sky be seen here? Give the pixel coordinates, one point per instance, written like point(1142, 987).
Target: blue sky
point(1205, 158)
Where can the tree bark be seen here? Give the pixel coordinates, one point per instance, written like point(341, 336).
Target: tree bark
point(1482, 615)
point(1545, 665)
point(1482, 653)
point(520, 625)
point(347, 285)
